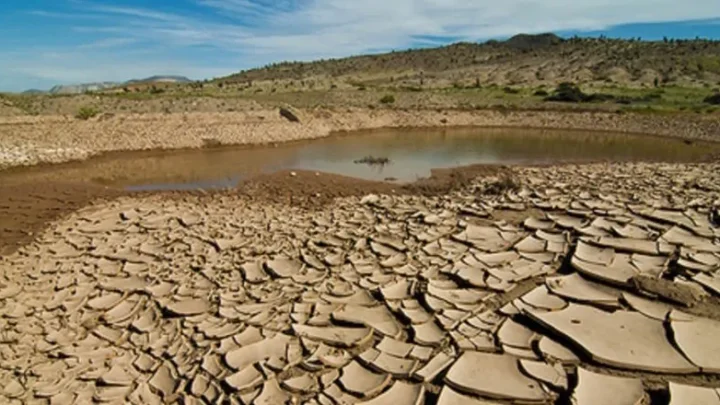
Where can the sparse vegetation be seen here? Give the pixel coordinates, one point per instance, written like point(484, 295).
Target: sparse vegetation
point(568, 93)
point(211, 143)
point(503, 184)
point(373, 161)
point(599, 74)
point(85, 113)
point(387, 99)
point(713, 99)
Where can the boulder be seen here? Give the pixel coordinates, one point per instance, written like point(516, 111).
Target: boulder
point(290, 114)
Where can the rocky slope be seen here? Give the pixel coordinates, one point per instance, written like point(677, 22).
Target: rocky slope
point(521, 60)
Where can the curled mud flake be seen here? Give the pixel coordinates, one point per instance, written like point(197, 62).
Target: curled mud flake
point(687, 394)
point(592, 389)
point(362, 382)
point(629, 340)
point(495, 376)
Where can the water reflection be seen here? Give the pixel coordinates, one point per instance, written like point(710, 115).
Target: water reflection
point(411, 154)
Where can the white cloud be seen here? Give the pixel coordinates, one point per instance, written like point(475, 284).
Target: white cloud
point(246, 33)
point(291, 29)
point(108, 43)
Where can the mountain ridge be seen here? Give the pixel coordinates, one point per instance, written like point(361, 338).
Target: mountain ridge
point(99, 86)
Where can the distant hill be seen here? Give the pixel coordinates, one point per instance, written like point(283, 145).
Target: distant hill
point(160, 79)
point(81, 88)
point(90, 87)
point(33, 91)
point(523, 60)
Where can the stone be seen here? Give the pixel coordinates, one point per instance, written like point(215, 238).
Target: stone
point(290, 114)
point(494, 376)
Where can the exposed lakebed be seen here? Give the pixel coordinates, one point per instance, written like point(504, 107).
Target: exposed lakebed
point(411, 153)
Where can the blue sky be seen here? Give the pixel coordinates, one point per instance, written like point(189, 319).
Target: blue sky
point(48, 42)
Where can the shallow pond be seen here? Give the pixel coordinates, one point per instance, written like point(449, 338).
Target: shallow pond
point(412, 153)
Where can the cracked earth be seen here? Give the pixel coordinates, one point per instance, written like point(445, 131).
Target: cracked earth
point(588, 285)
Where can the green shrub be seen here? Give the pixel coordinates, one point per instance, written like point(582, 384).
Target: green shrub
point(85, 113)
point(714, 99)
point(569, 93)
point(387, 99)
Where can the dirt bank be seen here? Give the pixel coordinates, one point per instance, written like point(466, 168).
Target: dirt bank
point(28, 208)
point(29, 140)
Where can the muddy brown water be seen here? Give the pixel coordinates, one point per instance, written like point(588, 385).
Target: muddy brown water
point(412, 154)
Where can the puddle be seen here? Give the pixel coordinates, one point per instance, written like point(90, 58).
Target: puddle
point(412, 153)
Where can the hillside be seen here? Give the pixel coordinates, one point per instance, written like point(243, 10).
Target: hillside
point(523, 60)
point(81, 88)
point(523, 72)
point(95, 87)
point(160, 79)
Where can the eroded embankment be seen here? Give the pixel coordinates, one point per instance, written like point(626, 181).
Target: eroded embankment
point(30, 140)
